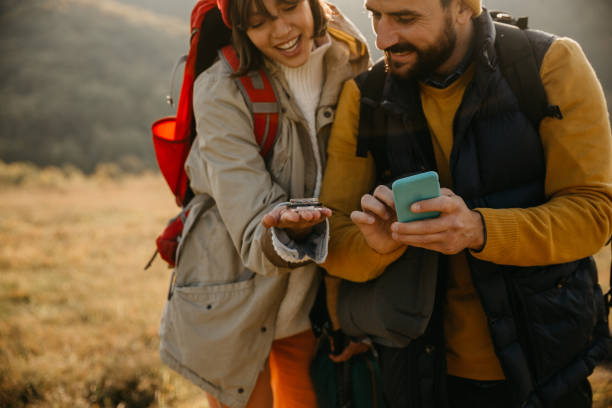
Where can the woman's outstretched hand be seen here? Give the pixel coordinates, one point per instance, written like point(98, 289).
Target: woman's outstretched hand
point(298, 222)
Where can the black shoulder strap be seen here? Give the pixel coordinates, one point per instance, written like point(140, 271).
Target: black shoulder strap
point(372, 118)
point(371, 84)
point(520, 54)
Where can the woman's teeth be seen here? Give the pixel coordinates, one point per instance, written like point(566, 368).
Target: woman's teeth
point(289, 44)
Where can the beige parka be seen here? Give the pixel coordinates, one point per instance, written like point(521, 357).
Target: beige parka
point(228, 299)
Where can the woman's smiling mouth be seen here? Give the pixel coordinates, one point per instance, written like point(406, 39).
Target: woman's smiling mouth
point(290, 45)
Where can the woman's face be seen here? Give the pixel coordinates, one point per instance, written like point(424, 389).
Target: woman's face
point(283, 34)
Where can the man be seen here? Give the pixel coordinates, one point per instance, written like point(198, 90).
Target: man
point(519, 319)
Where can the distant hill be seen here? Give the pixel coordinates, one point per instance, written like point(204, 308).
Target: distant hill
point(82, 80)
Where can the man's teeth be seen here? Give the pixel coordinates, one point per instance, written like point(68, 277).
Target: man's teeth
point(289, 44)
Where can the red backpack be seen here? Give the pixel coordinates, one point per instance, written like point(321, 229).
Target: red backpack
point(173, 136)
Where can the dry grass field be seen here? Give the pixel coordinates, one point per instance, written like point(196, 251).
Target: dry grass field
point(78, 314)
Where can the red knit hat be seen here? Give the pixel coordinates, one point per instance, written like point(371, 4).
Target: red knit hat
point(224, 7)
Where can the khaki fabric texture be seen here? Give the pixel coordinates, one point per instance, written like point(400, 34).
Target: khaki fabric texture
point(218, 327)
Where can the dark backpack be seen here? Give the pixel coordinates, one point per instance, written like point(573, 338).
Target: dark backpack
point(519, 61)
point(173, 136)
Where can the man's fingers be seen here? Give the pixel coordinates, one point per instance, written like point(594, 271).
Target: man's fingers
point(372, 205)
point(418, 240)
point(421, 227)
point(340, 358)
point(446, 192)
point(444, 204)
point(360, 217)
point(384, 194)
point(349, 351)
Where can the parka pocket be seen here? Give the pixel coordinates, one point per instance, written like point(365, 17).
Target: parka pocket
point(206, 254)
point(218, 323)
point(218, 334)
point(559, 309)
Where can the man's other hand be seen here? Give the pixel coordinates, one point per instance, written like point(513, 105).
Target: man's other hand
point(456, 229)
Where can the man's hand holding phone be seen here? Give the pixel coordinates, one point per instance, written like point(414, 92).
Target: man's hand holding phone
point(454, 227)
point(434, 218)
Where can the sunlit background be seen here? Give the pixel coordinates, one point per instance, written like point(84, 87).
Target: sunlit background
point(81, 200)
point(81, 80)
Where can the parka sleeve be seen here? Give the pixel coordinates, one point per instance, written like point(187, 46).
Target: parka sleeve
point(229, 167)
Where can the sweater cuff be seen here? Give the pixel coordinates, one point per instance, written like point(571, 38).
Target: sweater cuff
point(313, 248)
point(501, 234)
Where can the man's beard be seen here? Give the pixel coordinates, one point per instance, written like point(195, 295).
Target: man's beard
point(428, 60)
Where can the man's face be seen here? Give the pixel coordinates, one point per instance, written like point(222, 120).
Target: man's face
point(417, 36)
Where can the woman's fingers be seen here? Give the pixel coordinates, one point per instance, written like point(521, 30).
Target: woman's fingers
point(272, 218)
point(301, 218)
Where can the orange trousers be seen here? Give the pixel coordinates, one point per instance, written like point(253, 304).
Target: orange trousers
point(285, 381)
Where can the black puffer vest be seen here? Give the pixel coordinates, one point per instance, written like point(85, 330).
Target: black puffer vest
point(548, 323)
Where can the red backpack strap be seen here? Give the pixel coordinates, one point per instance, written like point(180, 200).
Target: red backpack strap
point(261, 99)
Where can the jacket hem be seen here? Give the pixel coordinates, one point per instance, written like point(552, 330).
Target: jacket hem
point(211, 389)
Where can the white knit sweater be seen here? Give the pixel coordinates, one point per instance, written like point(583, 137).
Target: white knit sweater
point(305, 83)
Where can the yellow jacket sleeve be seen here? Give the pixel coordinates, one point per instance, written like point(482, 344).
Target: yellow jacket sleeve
point(577, 219)
point(347, 178)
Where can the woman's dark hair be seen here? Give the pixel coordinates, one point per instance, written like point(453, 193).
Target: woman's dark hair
point(250, 57)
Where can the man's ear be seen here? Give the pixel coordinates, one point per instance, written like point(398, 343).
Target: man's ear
point(463, 13)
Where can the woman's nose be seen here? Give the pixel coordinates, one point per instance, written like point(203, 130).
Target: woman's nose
point(280, 27)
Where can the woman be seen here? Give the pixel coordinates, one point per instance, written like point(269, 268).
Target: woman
point(237, 324)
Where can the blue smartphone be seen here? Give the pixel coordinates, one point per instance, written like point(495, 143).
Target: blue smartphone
point(408, 190)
